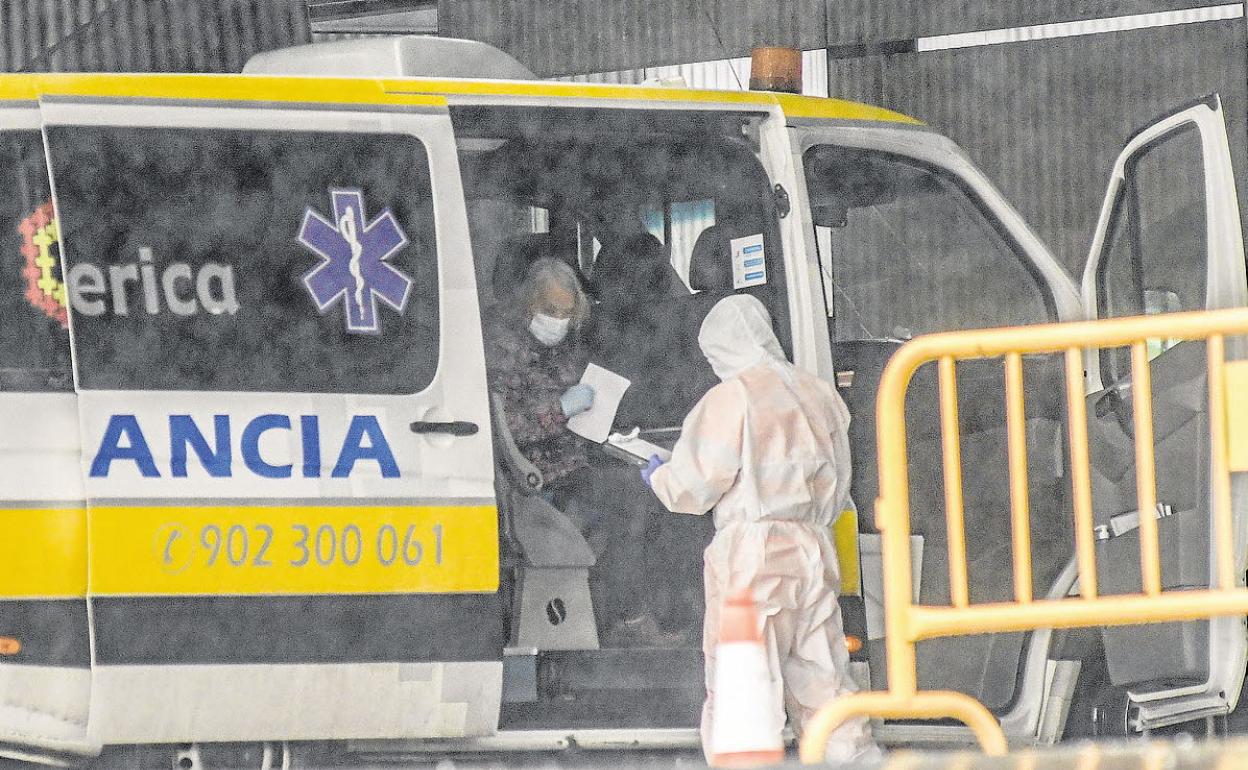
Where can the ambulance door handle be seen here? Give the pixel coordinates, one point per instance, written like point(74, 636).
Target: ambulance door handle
point(454, 427)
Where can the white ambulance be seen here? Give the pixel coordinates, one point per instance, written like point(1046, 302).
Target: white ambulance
point(252, 491)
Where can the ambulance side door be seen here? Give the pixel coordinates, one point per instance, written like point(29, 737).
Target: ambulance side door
point(283, 410)
point(45, 654)
point(1168, 239)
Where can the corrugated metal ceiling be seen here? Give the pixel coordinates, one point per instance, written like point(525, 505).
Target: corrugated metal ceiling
point(566, 37)
point(560, 37)
point(854, 23)
point(1046, 119)
point(145, 36)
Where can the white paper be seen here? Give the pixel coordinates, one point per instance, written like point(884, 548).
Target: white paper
point(595, 424)
point(749, 261)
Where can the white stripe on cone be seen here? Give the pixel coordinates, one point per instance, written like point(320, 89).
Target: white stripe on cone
point(743, 719)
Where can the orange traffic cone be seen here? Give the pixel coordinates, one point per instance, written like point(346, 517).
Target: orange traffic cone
point(744, 732)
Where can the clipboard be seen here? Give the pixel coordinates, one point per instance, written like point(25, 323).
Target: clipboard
point(631, 448)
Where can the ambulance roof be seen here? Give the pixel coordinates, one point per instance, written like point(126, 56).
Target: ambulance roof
point(417, 92)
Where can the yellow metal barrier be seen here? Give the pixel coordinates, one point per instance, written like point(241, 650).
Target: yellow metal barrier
point(907, 623)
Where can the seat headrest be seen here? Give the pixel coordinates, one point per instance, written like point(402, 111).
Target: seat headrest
point(514, 256)
point(638, 266)
point(710, 262)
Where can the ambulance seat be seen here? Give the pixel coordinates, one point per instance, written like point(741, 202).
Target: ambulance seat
point(688, 372)
point(987, 666)
point(710, 262)
point(653, 339)
point(635, 272)
point(552, 608)
point(710, 277)
point(636, 330)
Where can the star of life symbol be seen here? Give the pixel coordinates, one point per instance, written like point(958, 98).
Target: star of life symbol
point(353, 265)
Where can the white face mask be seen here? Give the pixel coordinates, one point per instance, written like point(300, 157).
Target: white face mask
point(548, 330)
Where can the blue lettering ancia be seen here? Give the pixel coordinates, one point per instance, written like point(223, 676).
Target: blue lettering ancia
point(124, 441)
point(183, 433)
point(136, 449)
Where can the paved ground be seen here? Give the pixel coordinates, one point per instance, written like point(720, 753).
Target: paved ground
point(1180, 753)
point(1155, 755)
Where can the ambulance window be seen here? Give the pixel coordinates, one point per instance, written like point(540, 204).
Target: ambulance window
point(645, 204)
point(1155, 261)
point(625, 191)
point(211, 259)
point(906, 249)
point(34, 336)
point(677, 225)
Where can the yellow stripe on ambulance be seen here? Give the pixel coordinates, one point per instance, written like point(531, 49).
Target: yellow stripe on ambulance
point(286, 549)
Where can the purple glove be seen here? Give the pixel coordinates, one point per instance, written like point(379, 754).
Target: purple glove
point(650, 468)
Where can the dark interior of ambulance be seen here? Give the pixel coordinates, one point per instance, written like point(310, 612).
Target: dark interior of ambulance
point(945, 266)
point(643, 207)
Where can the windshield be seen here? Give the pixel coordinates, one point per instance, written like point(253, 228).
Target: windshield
point(905, 249)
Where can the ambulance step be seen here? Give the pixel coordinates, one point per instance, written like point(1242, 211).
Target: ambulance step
point(617, 688)
point(510, 741)
point(621, 669)
point(614, 709)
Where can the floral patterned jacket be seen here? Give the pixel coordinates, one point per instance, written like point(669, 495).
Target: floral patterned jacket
point(529, 378)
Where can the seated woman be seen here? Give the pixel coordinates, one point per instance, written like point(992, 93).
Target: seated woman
point(535, 355)
point(535, 358)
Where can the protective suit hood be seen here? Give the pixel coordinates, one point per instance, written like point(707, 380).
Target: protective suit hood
point(737, 335)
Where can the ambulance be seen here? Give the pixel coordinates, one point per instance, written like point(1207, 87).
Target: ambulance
point(257, 499)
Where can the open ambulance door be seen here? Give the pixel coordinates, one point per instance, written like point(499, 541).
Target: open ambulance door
point(1168, 239)
point(45, 655)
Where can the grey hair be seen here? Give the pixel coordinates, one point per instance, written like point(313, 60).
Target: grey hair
point(547, 272)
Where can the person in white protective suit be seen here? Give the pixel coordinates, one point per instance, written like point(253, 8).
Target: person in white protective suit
point(767, 448)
